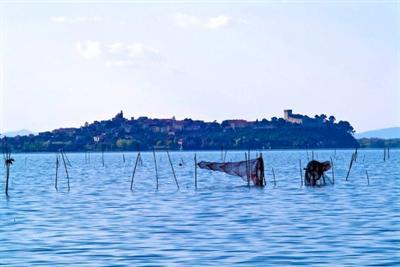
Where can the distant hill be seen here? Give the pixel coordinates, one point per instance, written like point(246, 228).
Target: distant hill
point(22, 132)
point(121, 134)
point(386, 133)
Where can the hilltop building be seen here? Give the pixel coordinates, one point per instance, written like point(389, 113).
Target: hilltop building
point(293, 118)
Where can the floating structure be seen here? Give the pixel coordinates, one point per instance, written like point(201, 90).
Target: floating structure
point(249, 170)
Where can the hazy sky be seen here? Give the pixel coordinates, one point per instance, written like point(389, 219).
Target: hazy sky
point(63, 64)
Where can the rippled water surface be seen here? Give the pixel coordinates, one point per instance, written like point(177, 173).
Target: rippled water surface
point(101, 222)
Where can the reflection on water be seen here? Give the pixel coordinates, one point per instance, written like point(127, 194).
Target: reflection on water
point(101, 222)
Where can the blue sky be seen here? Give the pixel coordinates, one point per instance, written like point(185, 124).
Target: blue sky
point(63, 64)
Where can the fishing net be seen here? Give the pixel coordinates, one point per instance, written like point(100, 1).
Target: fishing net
point(249, 170)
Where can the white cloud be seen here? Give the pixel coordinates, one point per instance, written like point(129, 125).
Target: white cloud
point(189, 21)
point(120, 54)
point(217, 22)
point(133, 50)
point(62, 19)
point(89, 49)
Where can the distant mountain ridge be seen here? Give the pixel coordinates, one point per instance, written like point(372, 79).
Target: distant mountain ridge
point(22, 132)
point(385, 133)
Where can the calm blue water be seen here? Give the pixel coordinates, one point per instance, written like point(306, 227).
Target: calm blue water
point(101, 222)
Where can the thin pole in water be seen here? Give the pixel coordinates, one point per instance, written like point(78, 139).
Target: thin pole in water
point(67, 159)
point(273, 174)
point(56, 179)
point(7, 177)
point(123, 158)
point(155, 166)
point(134, 170)
point(247, 169)
point(355, 154)
point(388, 153)
point(351, 164)
point(102, 155)
point(366, 172)
point(173, 171)
point(262, 170)
point(195, 171)
point(66, 169)
point(333, 172)
point(301, 175)
point(384, 153)
point(249, 164)
point(8, 161)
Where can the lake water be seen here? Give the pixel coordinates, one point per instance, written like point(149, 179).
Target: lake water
point(101, 222)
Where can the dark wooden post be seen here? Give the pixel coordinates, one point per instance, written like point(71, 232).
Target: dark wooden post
point(66, 169)
point(247, 169)
point(56, 179)
point(155, 166)
point(173, 171)
point(351, 164)
point(102, 154)
point(134, 170)
point(273, 174)
point(333, 172)
point(301, 175)
point(195, 171)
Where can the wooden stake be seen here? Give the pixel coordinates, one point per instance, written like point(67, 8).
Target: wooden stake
point(173, 171)
point(155, 166)
point(312, 155)
point(356, 154)
point(273, 174)
point(7, 177)
point(249, 164)
point(333, 172)
point(262, 170)
point(102, 155)
point(195, 171)
point(366, 172)
point(67, 160)
point(134, 169)
point(384, 153)
point(247, 169)
point(66, 169)
point(351, 164)
point(301, 175)
point(388, 153)
point(123, 158)
point(56, 179)
point(8, 161)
